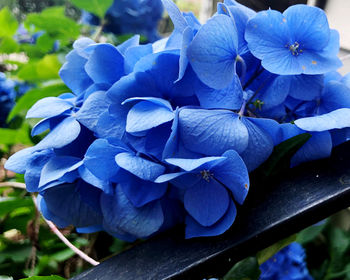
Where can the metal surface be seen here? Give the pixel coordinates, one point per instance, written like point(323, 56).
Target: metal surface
point(272, 211)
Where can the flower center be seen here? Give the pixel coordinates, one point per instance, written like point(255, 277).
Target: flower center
point(295, 48)
point(206, 175)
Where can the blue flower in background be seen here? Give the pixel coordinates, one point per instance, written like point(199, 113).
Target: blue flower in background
point(287, 264)
point(130, 17)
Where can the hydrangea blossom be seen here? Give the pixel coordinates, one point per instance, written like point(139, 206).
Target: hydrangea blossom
point(159, 134)
point(287, 264)
point(130, 17)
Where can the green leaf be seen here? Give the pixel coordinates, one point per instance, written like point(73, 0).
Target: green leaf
point(8, 23)
point(63, 255)
point(33, 95)
point(309, 234)
point(267, 253)
point(44, 69)
point(52, 277)
point(96, 7)
point(15, 136)
point(3, 277)
point(8, 204)
point(16, 252)
point(247, 269)
point(282, 153)
point(8, 45)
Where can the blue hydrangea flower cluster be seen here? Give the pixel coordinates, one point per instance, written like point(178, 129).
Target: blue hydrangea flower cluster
point(287, 264)
point(130, 17)
point(9, 91)
point(160, 134)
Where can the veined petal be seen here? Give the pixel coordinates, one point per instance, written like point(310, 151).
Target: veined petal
point(206, 202)
point(192, 164)
point(212, 131)
point(213, 52)
point(336, 119)
point(49, 107)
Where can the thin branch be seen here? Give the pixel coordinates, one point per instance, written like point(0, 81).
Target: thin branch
point(13, 185)
point(66, 241)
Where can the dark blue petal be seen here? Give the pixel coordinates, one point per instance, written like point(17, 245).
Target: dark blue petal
point(305, 87)
point(141, 192)
point(233, 174)
point(194, 229)
point(213, 52)
point(121, 216)
point(207, 201)
point(336, 95)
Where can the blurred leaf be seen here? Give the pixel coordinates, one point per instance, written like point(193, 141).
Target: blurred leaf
point(8, 45)
point(267, 253)
point(247, 269)
point(309, 234)
point(282, 153)
point(52, 277)
point(8, 23)
point(33, 95)
point(63, 255)
point(45, 43)
point(44, 69)
point(96, 7)
point(15, 136)
point(16, 252)
point(8, 204)
point(3, 277)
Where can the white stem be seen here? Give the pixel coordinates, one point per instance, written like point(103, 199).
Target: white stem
point(13, 185)
point(65, 240)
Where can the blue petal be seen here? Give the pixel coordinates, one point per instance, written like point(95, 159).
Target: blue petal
point(313, 63)
point(100, 159)
point(132, 42)
point(110, 126)
point(41, 126)
point(193, 164)
point(336, 95)
point(234, 175)
point(141, 192)
point(93, 107)
point(336, 119)
point(186, 40)
point(308, 26)
point(340, 136)
point(63, 134)
point(142, 168)
point(57, 167)
point(206, 202)
point(49, 107)
point(272, 127)
point(134, 54)
point(88, 177)
point(194, 229)
point(148, 114)
point(18, 161)
point(120, 215)
point(305, 87)
point(230, 97)
point(213, 52)
point(63, 206)
point(176, 16)
point(34, 167)
point(212, 132)
point(260, 146)
point(73, 73)
point(319, 146)
point(105, 64)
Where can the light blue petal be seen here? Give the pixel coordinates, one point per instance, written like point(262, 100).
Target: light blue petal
point(230, 97)
point(120, 215)
point(49, 107)
point(105, 64)
point(308, 26)
point(63, 134)
point(41, 126)
point(168, 177)
point(212, 132)
point(186, 40)
point(336, 119)
point(336, 95)
point(319, 146)
point(272, 127)
point(91, 179)
point(213, 52)
point(134, 54)
point(132, 42)
point(93, 107)
point(193, 164)
point(146, 115)
point(234, 175)
point(176, 16)
point(206, 202)
point(314, 63)
point(194, 229)
point(57, 167)
point(142, 168)
point(18, 161)
point(110, 126)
